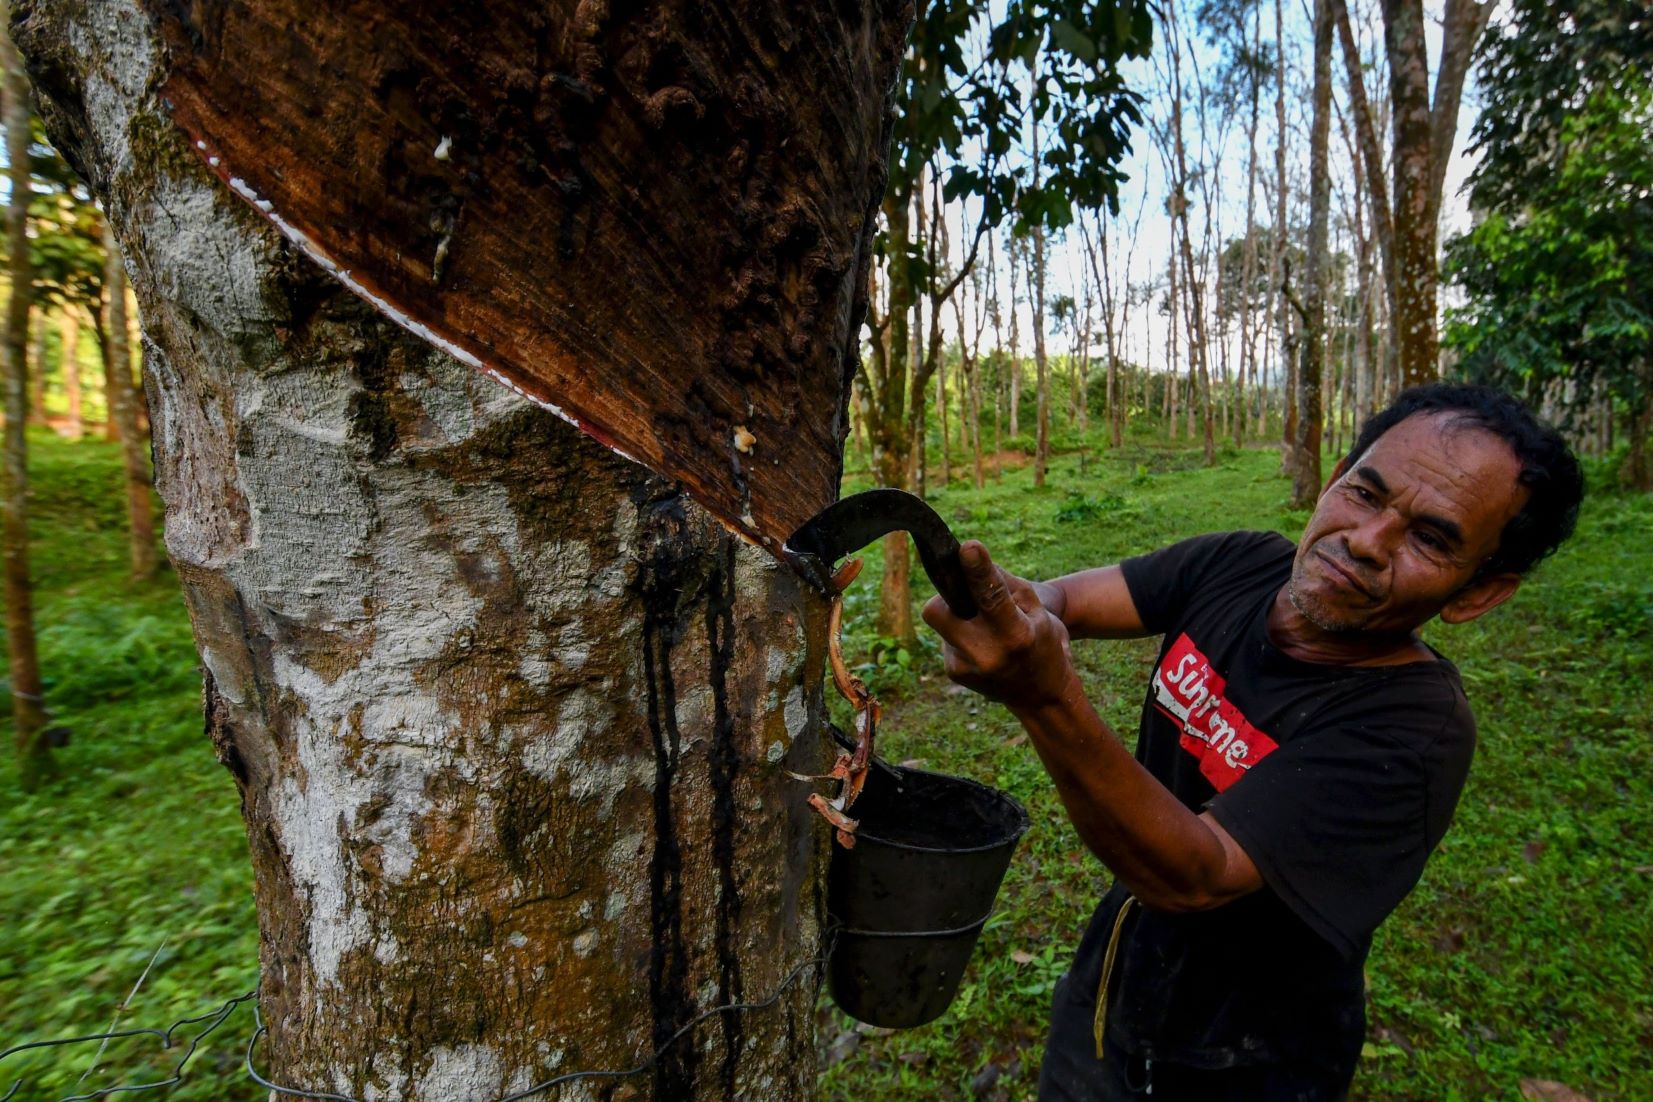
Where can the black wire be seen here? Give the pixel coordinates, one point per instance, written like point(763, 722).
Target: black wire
point(728, 1008)
point(573, 1076)
point(258, 1020)
point(216, 1018)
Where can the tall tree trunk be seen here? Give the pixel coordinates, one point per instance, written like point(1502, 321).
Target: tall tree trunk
point(134, 340)
point(123, 412)
point(1248, 258)
point(858, 421)
point(891, 441)
point(1357, 338)
point(918, 444)
point(28, 707)
point(37, 377)
point(1102, 277)
point(941, 412)
point(969, 363)
point(1041, 452)
point(74, 422)
point(1173, 373)
point(998, 348)
point(1638, 472)
point(975, 415)
point(1282, 247)
point(1423, 135)
point(100, 327)
point(1199, 371)
point(1414, 238)
point(1014, 255)
point(1306, 477)
point(510, 717)
point(939, 255)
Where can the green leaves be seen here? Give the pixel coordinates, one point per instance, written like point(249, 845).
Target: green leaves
point(1558, 270)
point(975, 79)
point(1065, 36)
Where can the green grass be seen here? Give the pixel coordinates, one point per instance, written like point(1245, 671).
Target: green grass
point(134, 858)
point(1522, 954)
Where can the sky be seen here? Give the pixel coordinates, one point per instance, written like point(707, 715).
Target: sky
point(1144, 230)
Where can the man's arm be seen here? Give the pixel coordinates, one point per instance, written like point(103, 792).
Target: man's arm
point(1093, 604)
point(1016, 651)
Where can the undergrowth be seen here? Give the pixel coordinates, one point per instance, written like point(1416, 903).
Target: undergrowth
point(1523, 954)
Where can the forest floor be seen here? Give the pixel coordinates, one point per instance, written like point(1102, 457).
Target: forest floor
point(1523, 955)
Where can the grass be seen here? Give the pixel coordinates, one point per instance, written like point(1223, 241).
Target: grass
point(133, 864)
point(1523, 954)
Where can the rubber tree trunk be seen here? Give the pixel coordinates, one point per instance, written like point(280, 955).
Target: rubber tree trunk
point(1423, 135)
point(123, 414)
point(892, 443)
point(28, 706)
point(510, 718)
point(37, 377)
point(1282, 249)
point(1638, 472)
point(74, 422)
point(1197, 341)
point(1041, 445)
point(1305, 484)
point(1013, 252)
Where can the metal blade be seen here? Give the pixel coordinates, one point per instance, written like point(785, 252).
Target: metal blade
point(855, 521)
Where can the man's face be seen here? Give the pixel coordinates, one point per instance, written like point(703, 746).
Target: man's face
point(1400, 534)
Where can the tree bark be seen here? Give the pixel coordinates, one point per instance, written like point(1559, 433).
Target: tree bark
point(941, 412)
point(74, 421)
point(969, 375)
point(37, 377)
point(1014, 255)
point(1172, 373)
point(1281, 249)
point(1370, 164)
point(998, 348)
point(123, 413)
point(1413, 311)
point(509, 716)
point(1247, 369)
point(1638, 472)
point(1305, 485)
point(28, 707)
point(1041, 447)
point(1102, 276)
point(887, 400)
point(1423, 134)
point(1199, 370)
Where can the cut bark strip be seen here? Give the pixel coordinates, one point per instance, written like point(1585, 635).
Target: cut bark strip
point(850, 769)
point(843, 824)
point(509, 183)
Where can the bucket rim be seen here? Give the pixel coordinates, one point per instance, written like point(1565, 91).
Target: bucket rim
point(1010, 838)
point(957, 931)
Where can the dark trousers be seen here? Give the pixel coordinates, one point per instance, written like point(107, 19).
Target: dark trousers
point(1072, 1073)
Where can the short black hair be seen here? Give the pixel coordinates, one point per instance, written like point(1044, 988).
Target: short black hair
point(1549, 470)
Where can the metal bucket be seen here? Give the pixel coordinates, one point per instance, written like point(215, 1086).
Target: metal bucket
point(912, 896)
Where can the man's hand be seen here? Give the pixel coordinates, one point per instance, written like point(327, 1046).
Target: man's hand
point(1015, 650)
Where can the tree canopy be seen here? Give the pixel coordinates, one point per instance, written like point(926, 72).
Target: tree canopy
point(1559, 267)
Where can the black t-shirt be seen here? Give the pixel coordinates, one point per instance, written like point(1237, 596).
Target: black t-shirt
point(1337, 781)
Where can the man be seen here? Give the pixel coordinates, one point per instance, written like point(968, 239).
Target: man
point(1300, 751)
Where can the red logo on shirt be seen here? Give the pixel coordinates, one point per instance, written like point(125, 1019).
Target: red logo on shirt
point(1190, 693)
